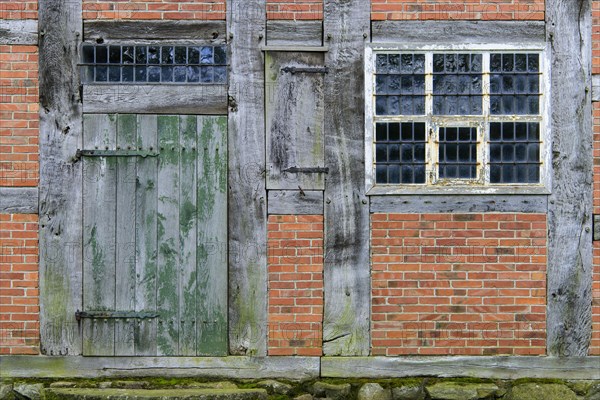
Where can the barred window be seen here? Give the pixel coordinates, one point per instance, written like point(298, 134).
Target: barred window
point(469, 118)
point(143, 64)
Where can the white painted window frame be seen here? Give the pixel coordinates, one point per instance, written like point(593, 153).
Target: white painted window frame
point(434, 185)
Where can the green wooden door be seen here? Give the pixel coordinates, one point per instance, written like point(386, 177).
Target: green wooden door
point(155, 235)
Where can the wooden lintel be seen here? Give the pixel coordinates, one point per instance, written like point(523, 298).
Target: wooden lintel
point(283, 202)
point(19, 31)
point(295, 33)
point(19, 200)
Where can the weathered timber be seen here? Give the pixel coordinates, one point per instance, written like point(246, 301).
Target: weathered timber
point(294, 120)
point(346, 265)
point(146, 235)
point(459, 366)
point(296, 202)
point(210, 32)
point(60, 202)
point(19, 31)
point(99, 234)
point(458, 32)
point(296, 368)
point(294, 33)
point(569, 311)
point(155, 99)
point(211, 267)
point(247, 194)
point(19, 200)
point(595, 87)
point(125, 269)
point(458, 203)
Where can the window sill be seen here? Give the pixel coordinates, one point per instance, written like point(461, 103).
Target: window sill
point(391, 190)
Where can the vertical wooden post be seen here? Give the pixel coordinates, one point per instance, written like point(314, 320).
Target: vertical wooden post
point(60, 205)
point(570, 210)
point(346, 266)
point(247, 216)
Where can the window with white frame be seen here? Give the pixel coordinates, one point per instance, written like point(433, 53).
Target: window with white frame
point(465, 118)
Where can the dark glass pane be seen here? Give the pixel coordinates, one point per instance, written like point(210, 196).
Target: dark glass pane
point(495, 83)
point(495, 131)
point(406, 65)
point(419, 131)
point(206, 74)
point(533, 131)
point(407, 131)
point(463, 62)
point(495, 174)
point(101, 74)
point(533, 62)
point(508, 62)
point(507, 105)
point(508, 151)
point(507, 84)
point(476, 62)
point(127, 74)
point(466, 172)
point(407, 153)
point(521, 105)
point(381, 62)
point(507, 173)
point(140, 54)
point(115, 54)
point(534, 104)
point(420, 152)
point(193, 74)
point(419, 84)
point(88, 54)
point(394, 153)
point(220, 55)
point(220, 74)
point(508, 131)
point(495, 105)
point(194, 55)
point(394, 105)
point(180, 74)
point(381, 153)
point(180, 55)
point(522, 173)
point(407, 174)
point(406, 105)
point(153, 55)
point(114, 74)
point(393, 84)
point(419, 63)
point(167, 55)
point(521, 131)
point(140, 74)
point(534, 174)
point(450, 63)
point(406, 84)
point(381, 84)
point(419, 105)
point(520, 62)
point(496, 62)
point(101, 55)
point(394, 64)
point(380, 132)
point(206, 55)
point(394, 174)
point(153, 74)
point(495, 153)
point(534, 152)
point(464, 154)
point(166, 74)
point(128, 54)
point(394, 131)
point(520, 84)
point(381, 107)
point(521, 152)
point(419, 172)
point(381, 174)
point(438, 63)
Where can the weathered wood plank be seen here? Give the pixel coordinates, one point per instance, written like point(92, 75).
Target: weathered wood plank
point(283, 202)
point(125, 234)
point(294, 120)
point(60, 202)
point(211, 32)
point(569, 311)
point(596, 87)
point(19, 200)
point(459, 32)
point(296, 368)
point(188, 220)
point(146, 235)
point(346, 265)
point(155, 99)
point(294, 33)
point(99, 233)
point(247, 196)
point(458, 203)
point(168, 270)
point(19, 31)
point(459, 366)
point(212, 236)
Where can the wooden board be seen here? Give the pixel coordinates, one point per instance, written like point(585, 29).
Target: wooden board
point(569, 311)
point(294, 33)
point(247, 195)
point(99, 234)
point(212, 236)
point(295, 202)
point(201, 32)
point(19, 31)
point(155, 99)
point(19, 200)
point(294, 120)
point(60, 203)
point(346, 264)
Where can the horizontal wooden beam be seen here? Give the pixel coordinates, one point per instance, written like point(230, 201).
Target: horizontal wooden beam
point(155, 99)
point(19, 31)
point(97, 367)
point(294, 33)
point(155, 31)
point(284, 202)
point(472, 367)
point(445, 204)
point(18, 200)
point(459, 32)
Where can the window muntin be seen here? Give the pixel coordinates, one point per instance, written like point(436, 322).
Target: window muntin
point(400, 152)
point(508, 84)
point(143, 64)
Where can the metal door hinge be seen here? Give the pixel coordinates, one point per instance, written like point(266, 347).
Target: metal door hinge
point(310, 70)
point(79, 315)
point(311, 170)
point(114, 153)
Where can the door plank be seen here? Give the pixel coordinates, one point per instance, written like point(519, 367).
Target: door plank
point(125, 229)
point(168, 236)
point(212, 236)
point(146, 235)
point(187, 234)
point(99, 212)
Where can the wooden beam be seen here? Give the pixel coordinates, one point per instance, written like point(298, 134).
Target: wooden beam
point(212, 32)
point(247, 194)
point(155, 99)
point(569, 311)
point(60, 205)
point(19, 200)
point(458, 203)
point(294, 33)
point(346, 267)
point(19, 31)
point(288, 202)
point(596, 87)
point(458, 32)
point(294, 368)
point(461, 366)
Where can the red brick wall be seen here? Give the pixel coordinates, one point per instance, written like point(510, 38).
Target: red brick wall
point(19, 119)
point(154, 9)
point(295, 9)
point(596, 37)
point(595, 346)
point(18, 9)
point(295, 270)
point(19, 305)
point(450, 9)
point(469, 284)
